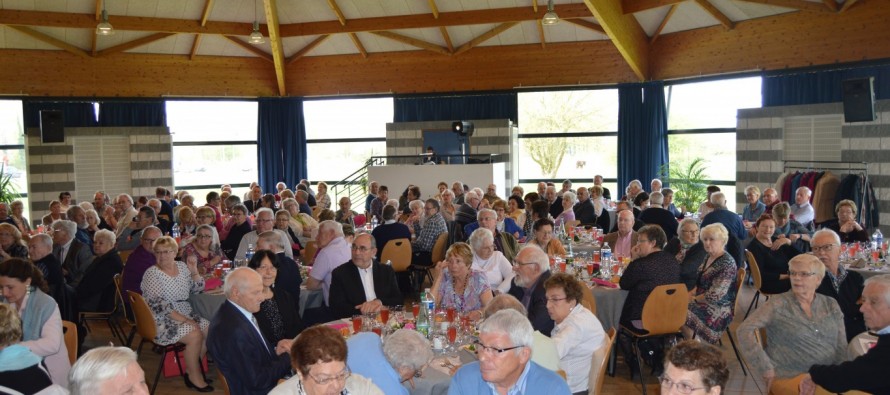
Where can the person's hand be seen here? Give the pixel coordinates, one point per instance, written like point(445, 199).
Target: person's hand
point(692, 295)
point(475, 315)
point(768, 377)
point(793, 237)
point(283, 346)
point(778, 243)
point(4, 255)
point(370, 306)
point(442, 265)
point(192, 263)
point(634, 252)
point(807, 386)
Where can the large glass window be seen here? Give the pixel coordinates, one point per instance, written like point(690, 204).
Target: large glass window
point(12, 148)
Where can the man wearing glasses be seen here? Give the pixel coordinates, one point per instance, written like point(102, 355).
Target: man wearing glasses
point(363, 285)
point(265, 222)
point(504, 366)
point(843, 285)
point(532, 267)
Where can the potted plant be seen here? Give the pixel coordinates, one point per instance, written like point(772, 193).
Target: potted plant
point(8, 191)
point(688, 182)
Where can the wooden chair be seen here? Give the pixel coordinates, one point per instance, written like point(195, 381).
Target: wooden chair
point(572, 224)
point(397, 251)
point(758, 282)
point(438, 255)
point(127, 312)
point(124, 255)
point(664, 313)
point(562, 373)
point(598, 366)
point(70, 332)
point(110, 317)
point(588, 301)
point(309, 252)
point(147, 329)
point(740, 281)
point(222, 382)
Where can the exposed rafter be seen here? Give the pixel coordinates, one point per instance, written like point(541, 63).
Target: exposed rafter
point(541, 33)
point(271, 8)
point(632, 6)
point(208, 6)
point(250, 48)
point(133, 44)
point(99, 10)
point(413, 42)
point(847, 5)
point(831, 4)
point(484, 37)
point(717, 14)
point(337, 12)
point(802, 5)
point(535, 5)
point(195, 45)
point(625, 32)
point(664, 23)
point(587, 25)
point(442, 29)
point(309, 47)
point(50, 40)
point(358, 45)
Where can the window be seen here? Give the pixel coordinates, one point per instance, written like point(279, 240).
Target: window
point(214, 143)
point(12, 147)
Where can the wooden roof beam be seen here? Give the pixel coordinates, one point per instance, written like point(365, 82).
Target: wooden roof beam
point(442, 29)
point(413, 42)
point(98, 10)
point(664, 23)
point(719, 16)
point(337, 12)
point(195, 45)
point(587, 25)
point(535, 5)
point(802, 5)
point(271, 8)
point(625, 33)
point(250, 47)
point(50, 40)
point(484, 37)
point(847, 5)
point(133, 44)
point(305, 50)
point(358, 45)
point(208, 6)
point(632, 6)
point(541, 34)
point(831, 4)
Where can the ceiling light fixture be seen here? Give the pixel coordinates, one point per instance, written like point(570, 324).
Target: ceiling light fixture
point(550, 18)
point(104, 28)
point(256, 38)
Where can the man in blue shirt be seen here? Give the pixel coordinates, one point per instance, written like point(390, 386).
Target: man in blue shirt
point(504, 366)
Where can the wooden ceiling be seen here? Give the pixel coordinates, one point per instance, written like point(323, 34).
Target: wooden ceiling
point(315, 47)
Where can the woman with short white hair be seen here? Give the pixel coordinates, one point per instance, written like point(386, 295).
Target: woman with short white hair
point(710, 302)
point(568, 214)
point(493, 263)
point(107, 370)
point(95, 292)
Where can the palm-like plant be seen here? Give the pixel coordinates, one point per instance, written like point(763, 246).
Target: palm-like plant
point(688, 182)
point(8, 191)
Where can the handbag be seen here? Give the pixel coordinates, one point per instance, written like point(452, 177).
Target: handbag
point(171, 369)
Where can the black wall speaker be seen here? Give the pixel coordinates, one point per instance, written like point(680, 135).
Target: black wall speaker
point(52, 127)
point(859, 100)
point(463, 128)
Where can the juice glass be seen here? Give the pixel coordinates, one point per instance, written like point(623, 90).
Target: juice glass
point(452, 334)
point(450, 313)
point(384, 314)
point(357, 323)
point(415, 309)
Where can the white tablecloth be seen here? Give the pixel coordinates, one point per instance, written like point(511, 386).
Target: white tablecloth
point(206, 304)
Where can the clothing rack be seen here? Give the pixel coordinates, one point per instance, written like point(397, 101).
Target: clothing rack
point(815, 165)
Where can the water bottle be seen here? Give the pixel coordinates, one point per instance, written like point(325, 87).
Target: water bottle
point(250, 251)
point(606, 252)
point(373, 222)
point(428, 301)
point(877, 239)
point(570, 257)
point(175, 233)
point(423, 319)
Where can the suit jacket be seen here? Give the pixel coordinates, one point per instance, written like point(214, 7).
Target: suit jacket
point(865, 373)
point(347, 290)
point(584, 212)
point(661, 217)
point(537, 307)
point(556, 207)
point(96, 290)
point(612, 238)
point(246, 360)
point(288, 278)
point(76, 262)
point(252, 206)
point(847, 297)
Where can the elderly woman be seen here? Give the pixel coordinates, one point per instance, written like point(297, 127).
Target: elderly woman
point(206, 216)
point(166, 287)
point(318, 357)
point(577, 332)
point(416, 216)
point(516, 209)
point(23, 289)
point(401, 359)
point(279, 316)
point(755, 208)
point(529, 222)
point(448, 208)
point(543, 238)
point(96, 290)
point(567, 215)
point(305, 221)
point(187, 222)
point(691, 366)
point(503, 241)
point(711, 301)
point(16, 361)
point(846, 226)
point(486, 259)
point(460, 286)
point(17, 209)
point(688, 250)
point(238, 227)
point(202, 249)
point(772, 256)
point(294, 231)
point(505, 223)
point(599, 207)
point(321, 197)
point(11, 245)
point(268, 201)
point(55, 213)
point(803, 328)
point(93, 222)
point(789, 228)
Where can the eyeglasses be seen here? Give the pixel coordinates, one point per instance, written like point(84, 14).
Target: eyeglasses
point(342, 376)
point(682, 386)
point(641, 241)
point(361, 248)
point(554, 300)
point(480, 348)
point(205, 236)
point(821, 248)
point(517, 262)
point(801, 274)
point(164, 252)
point(694, 231)
point(148, 240)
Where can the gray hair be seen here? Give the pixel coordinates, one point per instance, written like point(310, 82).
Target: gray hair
point(486, 211)
point(469, 195)
point(72, 210)
point(264, 210)
point(478, 236)
point(330, 225)
point(717, 230)
point(105, 234)
point(805, 189)
point(825, 231)
point(511, 323)
point(44, 239)
point(718, 199)
point(503, 302)
point(816, 265)
point(538, 255)
point(636, 182)
point(152, 229)
point(684, 222)
point(237, 279)
point(571, 196)
point(656, 198)
point(448, 192)
point(126, 196)
point(882, 279)
point(415, 204)
point(393, 202)
point(66, 226)
point(97, 366)
point(92, 214)
point(87, 206)
point(406, 348)
point(272, 238)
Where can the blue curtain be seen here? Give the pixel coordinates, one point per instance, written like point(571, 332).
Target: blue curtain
point(130, 113)
point(813, 86)
point(281, 142)
point(75, 114)
point(496, 105)
point(642, 132)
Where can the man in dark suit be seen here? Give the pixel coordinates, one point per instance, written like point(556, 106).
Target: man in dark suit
point(74, 255)
point(253, 203)
point(584, 211)
point(722, 215)
point(249, 363)
point(532, 267)
point(288, 278)
point(553, 200)
point(363, 285)
point(656, 215)
point(390, 229)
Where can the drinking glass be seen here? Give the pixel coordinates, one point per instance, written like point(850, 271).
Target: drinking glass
point(357, 321)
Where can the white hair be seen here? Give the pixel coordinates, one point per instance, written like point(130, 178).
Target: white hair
point(538, 255)
point(882, 279)
point(406, 348)
point(718, 199)
point(105, 234)
point(825, 231)
point(570, 196)
point(486, 211)
point(478, 236)
point(97, 366)
point(656, 198)
point(330, 225)
point(264, 210)
point(237, 280)
point(511, 323)
point(415, 204)
point(66, 226)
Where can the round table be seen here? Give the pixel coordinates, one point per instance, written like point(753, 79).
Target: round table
point(870, 271)
point(207, 303)
point(609, 302)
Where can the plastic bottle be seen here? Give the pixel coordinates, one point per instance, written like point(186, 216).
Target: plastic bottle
point(373, 222)
point(250, 251)
point(570, 257)
point(429, 301)
point(877, 239)
point(606, 252)
point(423, 319)
point(175, 233)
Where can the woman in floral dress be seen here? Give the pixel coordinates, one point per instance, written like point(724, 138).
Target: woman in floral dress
point(710, 302)
point(459, 286)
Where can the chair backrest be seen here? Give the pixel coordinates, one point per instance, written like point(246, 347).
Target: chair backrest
point(120, 298)
point(124, 255)
point(145, 321)
point(562, 373)
point(70, 330)
point(739, 283)
point(755, 269)
point(665, 309)
point(309, 252)
point(598, 365)
point(573, 223)
point(438, 252)
point(588, 301)
point(223, 383)
point(398, 251)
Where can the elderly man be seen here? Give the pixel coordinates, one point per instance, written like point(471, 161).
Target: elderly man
point(802, 210)
point(868, 372)
point(100, 204)
point(769, 198)
point(40, 249)
point(433, 226)
point(378, 203)
point(668, 203)
point(505, 366)
point(74, 255)
point(124, 212)
point(633, 188)
point(162, 222)
point(363, 285)
point(657, 215)
point(108, 370)
point(491, 193)
point(333, 251)
point(584, 210)
point(253, 203)
point(503, 241)
point(466, 213)
point(390, 229)
point(722, 215)
point(598, 180)
point(310, 195)
point(139, 261)
point(458, 188)
point(250, 364)
point(345, 215)
point(373, 188)
point(654, 186)
point(541, 189)
point(79, 217)
point(302, 198)
point(129, 239)
point(288, 278)
point(166, 208)
point(839, 283)
point(532, 267)
point(265, 222)
point(624, 238)
point(554, 200)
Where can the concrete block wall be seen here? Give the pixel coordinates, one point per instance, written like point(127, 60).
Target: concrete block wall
point(51, 165)
point(491, 136)
point(759, 145)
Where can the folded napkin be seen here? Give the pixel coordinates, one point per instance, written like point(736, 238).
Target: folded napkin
point(858, 264)
point(604, 283)
point(212, 283)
